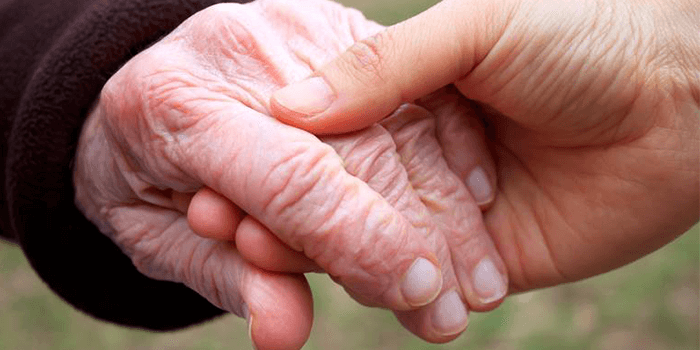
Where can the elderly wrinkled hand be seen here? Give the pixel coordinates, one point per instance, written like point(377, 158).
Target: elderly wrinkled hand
point(382, 210)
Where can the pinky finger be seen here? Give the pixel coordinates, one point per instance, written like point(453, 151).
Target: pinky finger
point(211, 215)
point(262, 248)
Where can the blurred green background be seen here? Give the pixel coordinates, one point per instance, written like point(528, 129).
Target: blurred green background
point(650, 304)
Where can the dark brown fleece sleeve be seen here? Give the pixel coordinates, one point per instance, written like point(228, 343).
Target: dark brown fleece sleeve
point(54, 58)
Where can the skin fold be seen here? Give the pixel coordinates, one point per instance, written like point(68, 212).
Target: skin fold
point(592, 111)
point(187, 121)
point(581, 115)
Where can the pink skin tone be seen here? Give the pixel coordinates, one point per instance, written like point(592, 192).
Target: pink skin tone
point(592, 111)
point(592, 108)
point(184, 127)
point(591, 156)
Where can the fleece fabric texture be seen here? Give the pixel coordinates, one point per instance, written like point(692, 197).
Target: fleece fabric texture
point(55, 56)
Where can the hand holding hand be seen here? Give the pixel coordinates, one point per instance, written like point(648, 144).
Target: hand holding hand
point(189, 115)
point(592, 110)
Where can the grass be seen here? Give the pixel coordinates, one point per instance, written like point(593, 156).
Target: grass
point(650, 304)
point(388, 12)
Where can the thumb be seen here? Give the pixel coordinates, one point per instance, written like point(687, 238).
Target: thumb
point(400, 64)
point(278, 307)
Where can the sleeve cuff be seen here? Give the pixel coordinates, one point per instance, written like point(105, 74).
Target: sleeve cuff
point(76, 261)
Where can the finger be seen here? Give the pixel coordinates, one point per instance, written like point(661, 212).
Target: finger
point(400, 64)
point(207, 134)
point(262, 248)
point(299, 189)
point(441, 321)
point(371, 155)
point(278, 307)
point(461, 136)
point(212, 215)
point(477, 264)
point(280, 310)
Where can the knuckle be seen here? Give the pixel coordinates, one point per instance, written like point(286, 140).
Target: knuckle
point(366, 59)
point(361, 151)
point(411, 123)
point(116, 94)
point(467, 238)
point(295, 176)
point(371, 157)
point(413, 129)
point(109, 94)
point(224, 29)
point(369, 263)
point(123, 94)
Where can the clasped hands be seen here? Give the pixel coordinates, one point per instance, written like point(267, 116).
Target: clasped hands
point(182, 166)
point(385, 211)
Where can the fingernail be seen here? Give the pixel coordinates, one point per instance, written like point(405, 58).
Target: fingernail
point(489, 284)
point(249, 318)
point(451, 316)
point(422, 283)
point(479, 186)
point(308, 97)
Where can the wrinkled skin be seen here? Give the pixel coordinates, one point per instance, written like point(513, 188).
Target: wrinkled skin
point(190, 114)
point(593, 113)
